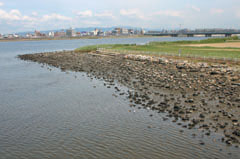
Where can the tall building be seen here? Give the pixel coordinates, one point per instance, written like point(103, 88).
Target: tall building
point(100, 33)
point(137, 32)
point(94, 32)
point(70, 32)
point(60, 34)
point(142, 32)
point(124, 31)
point(116, 31)
point(130, 31)
point(78, 34)
point(38, 34)
point(28, 35)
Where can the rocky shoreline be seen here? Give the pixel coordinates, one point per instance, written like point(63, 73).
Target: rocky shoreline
point(203, 96)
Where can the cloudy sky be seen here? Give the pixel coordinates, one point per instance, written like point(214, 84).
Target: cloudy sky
point(27, 15)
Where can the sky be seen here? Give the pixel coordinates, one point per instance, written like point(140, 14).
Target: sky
point(29, 15)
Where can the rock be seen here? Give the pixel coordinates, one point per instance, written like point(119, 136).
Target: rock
point(164, 119)
point(222, 126)
point(214, 73)
point(176, 108)
point(237, 100)
point(189, 101)
point(202, 116)
point(194, 70)
point(229, 142)
point(236, 84)
point(236, 132)
point(234, 120)
point(205, 126)
point(195, 121)
point(117, 89)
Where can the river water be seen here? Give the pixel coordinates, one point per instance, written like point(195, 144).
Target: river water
point(46, 113)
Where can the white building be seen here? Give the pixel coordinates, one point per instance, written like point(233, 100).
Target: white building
point(51, 34)
point(15, 35)
point(94, 32)
point(10, 36)
point(124, 31)
point(28, 35)
point(143, 31)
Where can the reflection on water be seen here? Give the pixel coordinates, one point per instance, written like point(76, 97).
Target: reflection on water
point(53, 114)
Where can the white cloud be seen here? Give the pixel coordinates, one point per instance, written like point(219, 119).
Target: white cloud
point(12, 15)
point(84, 14)
point(238, 14)
point(15, 15)
point(1, 4)
point(196, 8)
point(193, 8)
point(91, 22)
point(132, 13)
point(14, 19)
point(129, 12)
point(27, 18)
point(55, 16)
point(34, 13)
point(171, 13)
point(105, 14)
point(216, 11)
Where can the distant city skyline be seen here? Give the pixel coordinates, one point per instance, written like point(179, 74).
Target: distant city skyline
point(27, 15)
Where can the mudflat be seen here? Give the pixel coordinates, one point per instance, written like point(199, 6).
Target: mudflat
point(197, 96)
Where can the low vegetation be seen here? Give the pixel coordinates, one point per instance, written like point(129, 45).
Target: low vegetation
point(177, 47)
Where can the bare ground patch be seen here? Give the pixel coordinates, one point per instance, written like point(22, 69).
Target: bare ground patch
point(219, 45)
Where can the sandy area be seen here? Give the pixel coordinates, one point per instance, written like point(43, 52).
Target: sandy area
point(219, 49)
point(220, 45)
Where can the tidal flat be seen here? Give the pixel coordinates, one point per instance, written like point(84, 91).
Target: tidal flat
point(199, 96)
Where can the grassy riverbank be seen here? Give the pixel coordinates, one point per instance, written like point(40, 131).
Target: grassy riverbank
point(185, 48)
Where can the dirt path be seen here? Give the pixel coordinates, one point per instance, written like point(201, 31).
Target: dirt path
point(219, 45)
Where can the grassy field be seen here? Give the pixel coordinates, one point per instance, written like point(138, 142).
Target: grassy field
point(159, 48)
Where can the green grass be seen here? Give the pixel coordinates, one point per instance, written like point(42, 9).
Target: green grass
point(87, 48)
point(94, 47)
point(158, 48)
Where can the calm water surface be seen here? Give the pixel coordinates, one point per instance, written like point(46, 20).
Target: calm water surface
point(52, 114)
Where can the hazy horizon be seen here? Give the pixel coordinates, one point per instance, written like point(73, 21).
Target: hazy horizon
point(26, 15)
